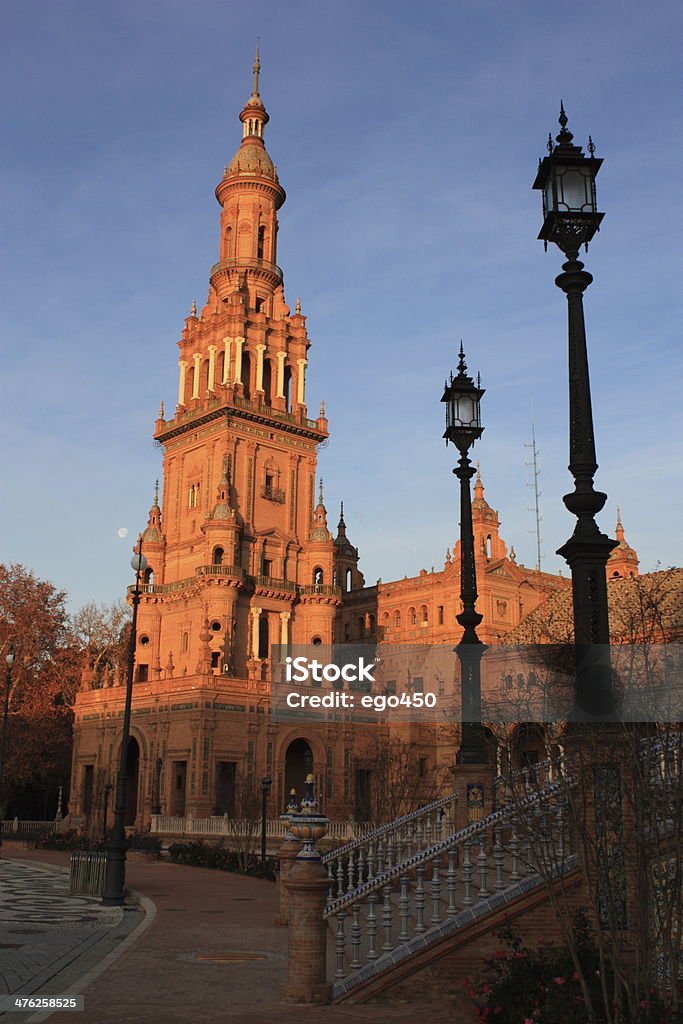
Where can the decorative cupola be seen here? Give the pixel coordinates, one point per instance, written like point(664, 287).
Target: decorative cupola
point(623, 560)
point(152, 535)
point(346, 570)
point(488, 545)
point(319, 531)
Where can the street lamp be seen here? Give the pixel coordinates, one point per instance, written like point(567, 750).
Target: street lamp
point(107, 790)
point(115, 870)
point(266, 783)
point(9, 660)
point(463, 428)
point(566, 178)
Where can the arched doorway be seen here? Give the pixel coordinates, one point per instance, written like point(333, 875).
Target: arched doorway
point(298, 764)
point(132, 775)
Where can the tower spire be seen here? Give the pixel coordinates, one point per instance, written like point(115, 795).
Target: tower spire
point(256, 67)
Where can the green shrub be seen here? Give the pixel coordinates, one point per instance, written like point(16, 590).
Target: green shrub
point(199, 854)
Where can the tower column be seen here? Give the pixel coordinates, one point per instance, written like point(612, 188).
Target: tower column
point(212, 367)
point(284, 628)
point(280, 392)
point(301, 381)
point(197, 370)
point(228, 355)
point(181, 381)
point(260, 349)
point(255, 616)
point(239, 342)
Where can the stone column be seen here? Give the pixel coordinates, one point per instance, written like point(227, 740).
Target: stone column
point(255, 615)
point(284, 628)
point(260, 349)
point(280, 392)
point(239, 342)
point(307, 887)
point(301, 381)
point(181, 381)
point(197, 372)
point(212, 367)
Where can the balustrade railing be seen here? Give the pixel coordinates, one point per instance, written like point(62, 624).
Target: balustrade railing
point(14, 825)
point(382, 847)
point(225, 826)
point(418, 894)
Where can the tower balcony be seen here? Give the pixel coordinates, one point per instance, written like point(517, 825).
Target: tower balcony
point(223, 274)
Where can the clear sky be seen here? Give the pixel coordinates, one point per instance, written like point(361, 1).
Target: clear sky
point(407, 137)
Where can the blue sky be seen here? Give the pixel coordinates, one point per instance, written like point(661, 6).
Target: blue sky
point(407, 138)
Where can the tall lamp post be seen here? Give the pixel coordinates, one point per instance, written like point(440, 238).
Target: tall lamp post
point(9, 661)
point(266, 783)
point(566, 178)
point(115, 870)
point(463, 428)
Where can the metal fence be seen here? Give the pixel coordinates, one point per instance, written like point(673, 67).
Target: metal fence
point(87, 872)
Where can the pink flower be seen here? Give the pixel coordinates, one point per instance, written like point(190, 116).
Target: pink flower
point(642, 1004)
point(528, 1020)
point(559, 981)
point(486, 988)
point(500, 953)
point(541, 940)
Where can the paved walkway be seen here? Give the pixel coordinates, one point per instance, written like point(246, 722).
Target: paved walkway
point(162, 978)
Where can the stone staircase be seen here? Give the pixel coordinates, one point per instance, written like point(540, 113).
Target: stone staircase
point(401, 895)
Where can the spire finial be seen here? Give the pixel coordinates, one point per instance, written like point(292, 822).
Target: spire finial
point(320, 497)
point(156, 492)
point(161, 414)
point(620, 526)
point(193, 308)
point(462, 365)
point(322, 409)
point(565, 135)
point(256, 67)
point(297, 306)
point(341, 525)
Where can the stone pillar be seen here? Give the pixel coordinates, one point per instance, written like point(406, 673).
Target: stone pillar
point(287, 854)
point(301, 381)
point(307, 887)
point(255, 615)
point(212, 368)
point(474, 792)
point(239, 342)
point(181, 381)
point(284, 629)
point(197, 373)
point(260, 349)
point(280, 392)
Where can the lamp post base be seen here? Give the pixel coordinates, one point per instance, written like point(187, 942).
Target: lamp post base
point(114, 893)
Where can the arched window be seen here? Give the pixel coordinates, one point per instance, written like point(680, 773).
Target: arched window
point(424, 617)
point(397, 619)
point(227, 249)
point(412, 614)
point(349, 579)
point(318, 576)
point(217, 557)
point(371, 624)
point(439, 615)
point(261, 242)
point(204, 378)
point(246, 374)
point(361, 626)
point(263, 644)
point(189, 387)
point(220, 368)
point(148, 577)
point(385, 620)
point(185, 642)
point(488, 546)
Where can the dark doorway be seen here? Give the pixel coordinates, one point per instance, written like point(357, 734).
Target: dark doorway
point(178, 783)
point(363, 794)
point(298, 764)
point(225, 788)
point(263, 644)
point(132, 776)
point(88, 777)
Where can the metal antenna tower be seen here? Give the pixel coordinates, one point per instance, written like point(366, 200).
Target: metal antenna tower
point(535, 508)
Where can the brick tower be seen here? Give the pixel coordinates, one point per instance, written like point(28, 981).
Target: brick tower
point(239, 554)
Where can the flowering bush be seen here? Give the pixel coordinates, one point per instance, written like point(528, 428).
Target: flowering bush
point(543, 986)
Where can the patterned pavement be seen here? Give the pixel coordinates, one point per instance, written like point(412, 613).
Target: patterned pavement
point(43, 928)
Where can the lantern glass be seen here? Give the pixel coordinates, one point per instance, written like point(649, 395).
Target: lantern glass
point(574, 192)
point(465, 410)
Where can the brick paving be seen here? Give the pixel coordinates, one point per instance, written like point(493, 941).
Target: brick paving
point(159, 978)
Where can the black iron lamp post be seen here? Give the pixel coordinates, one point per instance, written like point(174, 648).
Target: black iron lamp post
point(463, 427)
point(105, 807)
point(566, 177)
point(115, 872)
point(266, 783)
point(9, 661)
